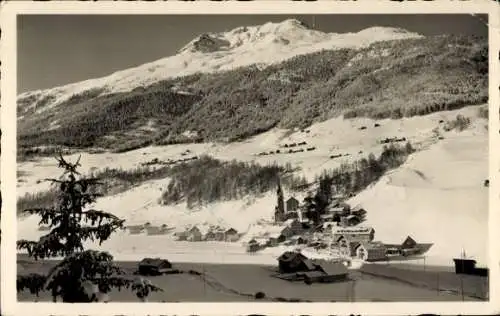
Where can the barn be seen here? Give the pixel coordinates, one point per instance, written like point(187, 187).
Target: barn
point(154, 266)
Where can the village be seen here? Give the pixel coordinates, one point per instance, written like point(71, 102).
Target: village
point(339, 232)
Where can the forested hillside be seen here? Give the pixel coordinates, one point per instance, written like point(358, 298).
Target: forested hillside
point(389, 79)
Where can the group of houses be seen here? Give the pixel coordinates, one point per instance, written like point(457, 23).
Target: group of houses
point(156, 161)
point(294, 266)
point(392, 140)
point(200, 233)
point(148, 229)
point(287, 151)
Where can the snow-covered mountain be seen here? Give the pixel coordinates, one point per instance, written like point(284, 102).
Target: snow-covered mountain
point(262, 45)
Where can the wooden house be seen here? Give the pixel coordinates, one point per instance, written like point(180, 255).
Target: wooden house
point(292, 204)
point(349, 220)
point(370, 251)
point(359, 234)
point(154, 266)
point(194, 234)
point(231, 235)
point(181, 236)
point(135, 229)
point(254, 246)
point(290, 262)
point(157, 230)
point(276, 238)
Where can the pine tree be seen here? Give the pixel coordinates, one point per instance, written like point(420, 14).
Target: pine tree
point(71, 223)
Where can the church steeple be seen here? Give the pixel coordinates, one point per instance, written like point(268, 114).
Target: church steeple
point(279, 214)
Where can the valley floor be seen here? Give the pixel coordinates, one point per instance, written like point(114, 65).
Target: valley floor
point(240, 282)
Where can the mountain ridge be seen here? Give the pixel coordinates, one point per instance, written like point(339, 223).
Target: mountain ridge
point(387, 79)
point(265, 44)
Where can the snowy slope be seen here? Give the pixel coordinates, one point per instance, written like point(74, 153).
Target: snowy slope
point(437, 196)
point(243, 46)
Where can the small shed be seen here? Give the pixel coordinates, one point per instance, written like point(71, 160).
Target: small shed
point(231, 235)
point(154, 266)
point(290, 262)
point(292, 204)
point(371, 251)
point(194, 234)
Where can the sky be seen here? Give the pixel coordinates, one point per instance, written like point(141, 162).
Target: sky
point(54, 50)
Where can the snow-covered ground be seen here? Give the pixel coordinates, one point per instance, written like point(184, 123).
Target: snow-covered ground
point(437, 196)
point(261, 45)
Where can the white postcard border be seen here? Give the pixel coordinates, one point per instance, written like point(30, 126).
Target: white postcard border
point(10, 10)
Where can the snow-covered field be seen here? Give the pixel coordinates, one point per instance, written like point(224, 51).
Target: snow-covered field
point(437, 196)
point(261, 45)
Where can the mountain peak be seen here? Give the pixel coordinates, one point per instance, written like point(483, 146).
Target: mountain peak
point(270, 32)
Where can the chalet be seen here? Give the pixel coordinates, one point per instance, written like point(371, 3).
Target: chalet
point(358, 211)
point(275, 239)
point(254, 246)
point(409, 243)
point(370, 251)
point(407, 248)
point(359, 234)
point(215, 235)
point(290, 262)
point(194, 234)
point(181, 236)
point(340, 210)
point(292, 204)
point(154, 266)
point(155, 230)
point(349, 220)
point(231, 235)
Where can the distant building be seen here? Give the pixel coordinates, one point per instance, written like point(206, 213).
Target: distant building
point(290, 262)
point(194, 234)
point(292, 204)
point(154, 266)
point(349, 220)
point(370, 251)
point(231, 235)
point(276, 238)
point(155, 230)
point(254, 246)
point(359, 234)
